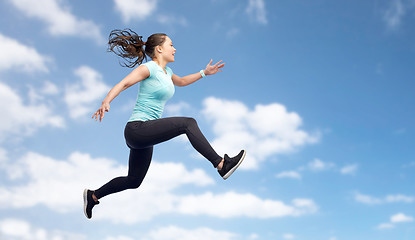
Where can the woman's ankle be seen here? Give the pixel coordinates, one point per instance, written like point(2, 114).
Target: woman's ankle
point(220, 165)
point(94, 197)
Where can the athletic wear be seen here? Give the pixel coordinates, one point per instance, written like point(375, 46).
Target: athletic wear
point(146, 128)
point(89, 203)
point(231, 164)
point(140, 137)
point(153, 93)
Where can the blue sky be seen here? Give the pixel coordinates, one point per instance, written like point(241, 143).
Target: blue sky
point(320, 93)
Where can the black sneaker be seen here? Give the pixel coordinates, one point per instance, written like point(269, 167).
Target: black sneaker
point(89, 203)
point(231, 164)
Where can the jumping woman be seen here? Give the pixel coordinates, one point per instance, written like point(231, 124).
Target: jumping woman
point(146, 128)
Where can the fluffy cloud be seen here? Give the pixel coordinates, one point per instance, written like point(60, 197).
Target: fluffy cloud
point(167, 19)
point(37, 95)
point(58, 184)
point(135, 9)
point(349, 169)
point(256, 10)
point(393, 15)
point(288, 236)
point(318, 165)
point(265, 131)
point(173, 233)
point(395, 219)
point(119, 238)
point(15, 55)
point(59, 19)
point(142, 9)
point(385, 226)
point(289, 174)
point(370, 200)
point(16, 229)
point(19, 119)
point(82, 96)
point(236, 205)
point(177, 109)
point(400, 217)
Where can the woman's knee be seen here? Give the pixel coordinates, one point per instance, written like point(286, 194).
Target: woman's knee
point(190, 121)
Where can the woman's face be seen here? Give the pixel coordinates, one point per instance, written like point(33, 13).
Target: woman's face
point(167, 50)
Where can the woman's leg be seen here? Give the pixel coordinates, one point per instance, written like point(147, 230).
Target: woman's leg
point(139, 162)
point(142, 134)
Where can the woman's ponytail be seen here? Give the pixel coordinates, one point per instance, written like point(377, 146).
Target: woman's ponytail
point(128, 45)
point(131, 47)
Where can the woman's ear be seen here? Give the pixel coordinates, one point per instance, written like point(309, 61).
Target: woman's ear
point(158, 49)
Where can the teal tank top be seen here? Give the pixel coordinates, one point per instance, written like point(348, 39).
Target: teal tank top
point(153, 93)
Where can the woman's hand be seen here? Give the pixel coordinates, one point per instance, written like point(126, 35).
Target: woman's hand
point(212, 69)
point(105, 107)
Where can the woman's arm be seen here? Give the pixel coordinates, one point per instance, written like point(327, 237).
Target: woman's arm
point(189, 79)
point(137, 75)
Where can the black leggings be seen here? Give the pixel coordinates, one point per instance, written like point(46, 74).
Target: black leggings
point(141, 136)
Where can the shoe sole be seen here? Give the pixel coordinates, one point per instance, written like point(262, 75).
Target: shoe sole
point(85, 202)
point(228, 174)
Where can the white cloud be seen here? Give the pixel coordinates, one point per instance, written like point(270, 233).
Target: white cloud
point(395, 219)
point(253, 236)
point(173, 233)
point(135, 9)
point(40, 95)
point(370, 200)
point(15, 55)
point(237, 205)
point(394, 14)
point(385, 226)
point(82, 97)
point(265, 131)
point(289, 174)
point(318, 165)
point(20, 120)
point(55, 183)
point(49, 88)
point(58, 185)
point(176, 109)
point(399, 198)
point(288, 236)
point(256, 10)
point(349, 169)
point(3, 158)
point(400, 217)
point(3, 155)
point(119, 238)
point(170, 19)
point(362, 198)
point(16, 229)
point(142, 9)
point(60, 20)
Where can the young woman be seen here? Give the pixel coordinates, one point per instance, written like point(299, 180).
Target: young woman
point(146, 128)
